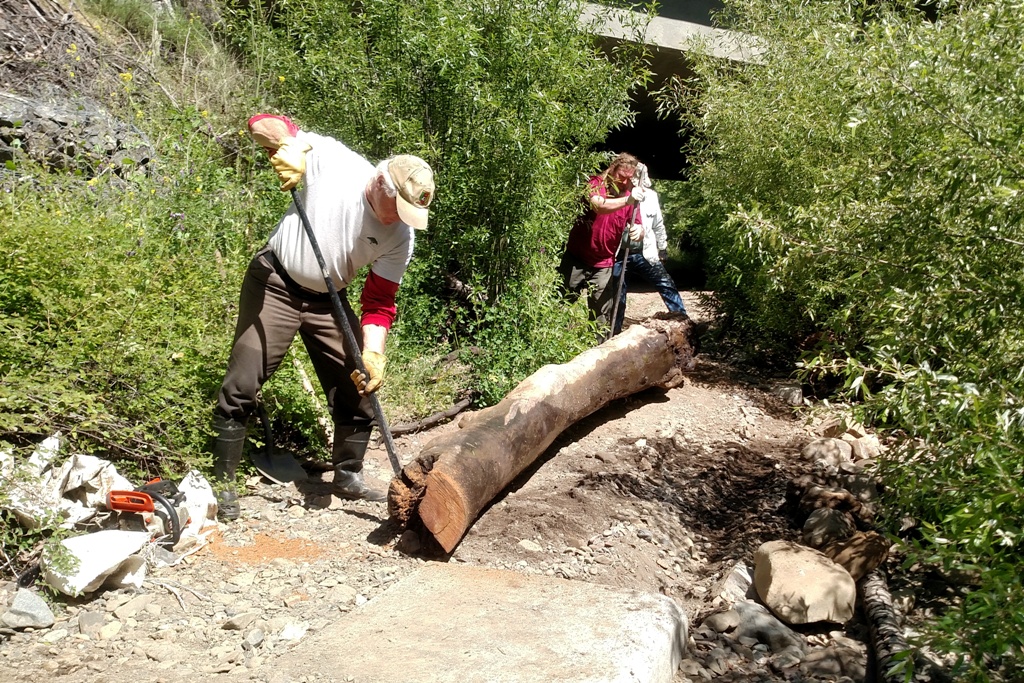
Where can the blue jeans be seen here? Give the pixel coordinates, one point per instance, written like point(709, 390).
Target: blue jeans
point(654, 273)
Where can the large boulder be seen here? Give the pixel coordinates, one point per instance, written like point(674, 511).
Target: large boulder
point(801, 585)
point(747, 619)
point(827, 454)
point(827, 525)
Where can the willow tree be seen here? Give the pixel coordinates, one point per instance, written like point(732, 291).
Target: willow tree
point(864, 184)
point(507, 101)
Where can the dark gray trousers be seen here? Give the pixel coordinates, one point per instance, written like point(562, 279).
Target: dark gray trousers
point(578, 276)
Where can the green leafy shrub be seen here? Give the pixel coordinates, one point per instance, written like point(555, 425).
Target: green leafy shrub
point(115, 313)
point(500, 99)
point(863, 181)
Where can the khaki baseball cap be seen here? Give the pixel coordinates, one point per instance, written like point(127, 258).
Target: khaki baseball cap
point(415, 182)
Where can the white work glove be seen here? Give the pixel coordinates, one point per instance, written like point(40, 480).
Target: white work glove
point(637, 194)
point(636, 233)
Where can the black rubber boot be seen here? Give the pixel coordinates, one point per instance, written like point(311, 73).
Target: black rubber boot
point(349, 448)
point(227, 454)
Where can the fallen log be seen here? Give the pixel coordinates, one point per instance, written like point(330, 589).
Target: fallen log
point(456, 475)
point(886, 635)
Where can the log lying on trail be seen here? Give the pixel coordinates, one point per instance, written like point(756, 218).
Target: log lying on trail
point(886, 634)
point(456, 475)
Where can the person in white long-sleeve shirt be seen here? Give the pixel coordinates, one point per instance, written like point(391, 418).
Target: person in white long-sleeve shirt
point(649, 263)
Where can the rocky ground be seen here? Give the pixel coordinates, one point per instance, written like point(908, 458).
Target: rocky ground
point(662, 492)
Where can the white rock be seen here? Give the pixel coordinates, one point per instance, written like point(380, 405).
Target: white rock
point(832, 451)
point(243, 580)
point(737, 584)
point(294, 631)
point(801, 585)
point(104, 558)
point(110, 630)
point(27, 610)
point(790, 393)
point(133, 606)
point(530, 546)
point(866, 447)
point(55, 636)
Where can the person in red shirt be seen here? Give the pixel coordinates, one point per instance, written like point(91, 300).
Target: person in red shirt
point(594, 239)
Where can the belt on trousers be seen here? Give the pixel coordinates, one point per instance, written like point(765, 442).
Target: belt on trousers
point(293, 286)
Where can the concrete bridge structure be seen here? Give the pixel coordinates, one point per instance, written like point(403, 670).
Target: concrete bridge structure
point(680, 27)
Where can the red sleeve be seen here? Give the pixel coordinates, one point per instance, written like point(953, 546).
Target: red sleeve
point(378, 301)
point(272, 118)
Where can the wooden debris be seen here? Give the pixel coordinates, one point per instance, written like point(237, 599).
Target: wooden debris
point(886, 635)
point(432, 420)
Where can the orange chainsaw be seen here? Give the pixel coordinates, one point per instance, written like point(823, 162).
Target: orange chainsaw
point(157, 506)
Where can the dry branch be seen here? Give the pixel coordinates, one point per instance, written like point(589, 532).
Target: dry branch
point(432, 419)
point(456, 475)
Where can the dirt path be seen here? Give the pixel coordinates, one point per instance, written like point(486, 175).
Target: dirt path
point(660, 492)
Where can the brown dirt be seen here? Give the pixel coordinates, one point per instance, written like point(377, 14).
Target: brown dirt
point(264, 547)
point(704, 465)
point(659, 492)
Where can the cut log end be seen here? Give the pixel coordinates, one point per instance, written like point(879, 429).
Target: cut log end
point(407, 489)
point(443, 511)
point(681, 333)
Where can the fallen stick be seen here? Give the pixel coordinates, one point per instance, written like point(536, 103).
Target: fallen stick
point(432, 420)
point(456, 475)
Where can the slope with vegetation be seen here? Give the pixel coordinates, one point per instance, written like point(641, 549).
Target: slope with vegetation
point(859, 196)
point(118, 285)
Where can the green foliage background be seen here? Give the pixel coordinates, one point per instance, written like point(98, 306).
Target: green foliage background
point(115, 307)
point(860, 200)
point(118, 290)
point(500, 99)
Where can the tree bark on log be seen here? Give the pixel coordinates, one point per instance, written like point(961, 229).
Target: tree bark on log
point(886, 634)
point(456, 475)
